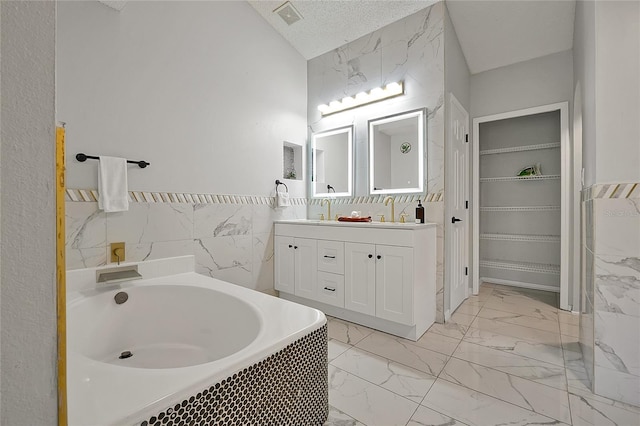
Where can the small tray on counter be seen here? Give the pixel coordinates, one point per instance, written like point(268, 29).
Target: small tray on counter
point(354, 219)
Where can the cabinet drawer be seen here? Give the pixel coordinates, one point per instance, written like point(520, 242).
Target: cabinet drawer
point(330, 289)
point(331, 256)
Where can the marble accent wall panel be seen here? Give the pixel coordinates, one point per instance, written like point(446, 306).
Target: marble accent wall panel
point(611, 286)
point(230, 236)
point(409, 50)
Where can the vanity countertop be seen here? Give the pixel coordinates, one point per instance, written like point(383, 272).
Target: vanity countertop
point(375, 225)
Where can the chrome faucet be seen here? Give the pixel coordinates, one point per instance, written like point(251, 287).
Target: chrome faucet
point(393, 207)
point(328, 202)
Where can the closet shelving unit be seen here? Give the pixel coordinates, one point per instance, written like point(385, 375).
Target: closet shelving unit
point(519, 217)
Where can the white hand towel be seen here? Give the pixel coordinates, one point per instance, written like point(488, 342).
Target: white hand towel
point(113, 193)
point(282, 199)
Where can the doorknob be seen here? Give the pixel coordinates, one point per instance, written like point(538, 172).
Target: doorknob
point(455, 219)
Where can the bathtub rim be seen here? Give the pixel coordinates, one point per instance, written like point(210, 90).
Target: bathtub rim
point(183, 380)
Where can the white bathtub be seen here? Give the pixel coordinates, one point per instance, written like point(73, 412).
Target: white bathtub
point(185, 331)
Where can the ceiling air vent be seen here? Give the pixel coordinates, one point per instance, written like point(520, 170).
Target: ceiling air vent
point(288, 13)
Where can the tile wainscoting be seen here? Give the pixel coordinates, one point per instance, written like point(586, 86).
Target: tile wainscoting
point(611, 290)
point(231, 236)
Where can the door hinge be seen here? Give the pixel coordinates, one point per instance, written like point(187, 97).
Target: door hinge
point(466, 204)
point(466, 137)
point(466, 270)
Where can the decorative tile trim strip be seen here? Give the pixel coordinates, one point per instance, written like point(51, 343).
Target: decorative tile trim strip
point(91, 195)
point(611, 190)
point(288, 388)
point(434, 197)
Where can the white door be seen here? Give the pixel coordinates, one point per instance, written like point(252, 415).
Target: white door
point(284, 266)
point(306, 254)
point(458, 203)
point(394, 284)
point(360, 278)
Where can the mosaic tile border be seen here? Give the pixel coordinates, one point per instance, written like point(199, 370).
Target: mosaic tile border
point(289, 387)
point(611, 190)
point(435, 197)
point(91, 196)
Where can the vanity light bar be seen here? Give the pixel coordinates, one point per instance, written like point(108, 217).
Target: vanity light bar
point(363, 98)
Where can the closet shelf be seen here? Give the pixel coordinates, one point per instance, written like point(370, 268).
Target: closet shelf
point(519, 178)
point(520, 148)
point(520, 209)
point(521, 237)
point(521, 266)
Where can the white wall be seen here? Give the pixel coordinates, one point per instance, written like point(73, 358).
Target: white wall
point(617, 47)
point(540, 81)
point(336, 163)
point(584, 69)
point(205, 91)
point(28, 303)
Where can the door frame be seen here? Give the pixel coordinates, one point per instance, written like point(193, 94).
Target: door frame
point(566, 260)
point(448, 246)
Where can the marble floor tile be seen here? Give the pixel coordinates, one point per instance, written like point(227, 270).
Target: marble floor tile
point(336, 348)
point(449, 329)
point(522, 308)
point(570, 329)
point(512, 344)
point(366, 402)
point(398, 378)
point(437, 342)
point(524, 393)
point(583, 390)
point(462, 318)
point(526, 368)
point(347, 332)
point(338, 418)
point(568, 317)
point(475, 408)
point(427, 417)
point(401, 351)
point(474, 301)
point(520, 319)
point(525, 333)
point(468, 309)
point(587, 411)
point(546, 297)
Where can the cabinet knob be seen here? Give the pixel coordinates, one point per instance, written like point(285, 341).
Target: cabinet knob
point(370, 256)
point(295, 247)
point(290, 246)
point(378, 257)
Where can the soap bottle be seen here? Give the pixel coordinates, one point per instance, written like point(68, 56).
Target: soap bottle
point(419, 213)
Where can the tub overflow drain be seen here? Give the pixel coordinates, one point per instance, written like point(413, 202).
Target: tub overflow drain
point(121, 297)
point(125, 355)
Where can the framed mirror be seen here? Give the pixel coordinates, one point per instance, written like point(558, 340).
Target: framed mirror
point(396, 153)
point(332, 163)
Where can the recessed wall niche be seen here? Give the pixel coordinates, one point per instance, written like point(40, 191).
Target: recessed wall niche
point(292, 161)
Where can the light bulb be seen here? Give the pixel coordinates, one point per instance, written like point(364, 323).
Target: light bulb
point(323, 108)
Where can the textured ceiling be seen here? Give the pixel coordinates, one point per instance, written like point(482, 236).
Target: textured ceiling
point(493, 34)
point(328, 24)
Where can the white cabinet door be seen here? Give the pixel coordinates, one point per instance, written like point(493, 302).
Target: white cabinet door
point(284, 264)
point(360, 278)
point(394, 284)
point(306, 267)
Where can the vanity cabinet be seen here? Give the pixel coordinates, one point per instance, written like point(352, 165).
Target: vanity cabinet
point(296, 265)
point(381, 276)
point(379, 281)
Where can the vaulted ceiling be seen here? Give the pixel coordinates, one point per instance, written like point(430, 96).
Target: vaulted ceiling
point(491, 33)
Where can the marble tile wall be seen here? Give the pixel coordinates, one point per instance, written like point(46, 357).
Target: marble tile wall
point(232, 242)
point(612, 296)
point(411, 50)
